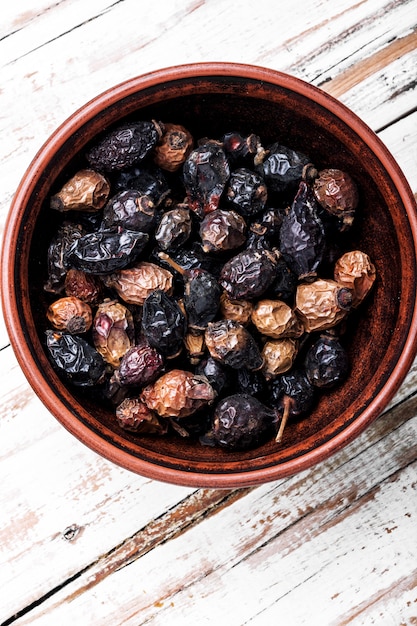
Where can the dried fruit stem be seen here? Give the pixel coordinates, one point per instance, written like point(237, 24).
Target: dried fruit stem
point(285, 415)
point(165, 257)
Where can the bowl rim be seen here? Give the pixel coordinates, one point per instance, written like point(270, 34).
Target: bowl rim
point(18, 341)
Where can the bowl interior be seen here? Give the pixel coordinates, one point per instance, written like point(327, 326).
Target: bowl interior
point(209, 104)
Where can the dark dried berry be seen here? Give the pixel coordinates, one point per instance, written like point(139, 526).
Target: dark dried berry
point(86, 287)
point(201, 295)
point(338, 194)
point(106, 251)
point(248, 274)
point(222, 230)
point(302, 236)
point(268, 223)
point(215, 372)
point(75, 359)
point(251, 382)
point(326, 362)
point(133, 415)
point(241, 422)
point(230, 343)
point(241, 149)
point(283, 169)
point(285, 282)
point(140, 365)
point(205, 174)
point(57, 264)
point(246, 191)
point(131, 210)
point(292, 395)
point(122, 147)
point(174, 228)
point(149, 181)
point(163, 323)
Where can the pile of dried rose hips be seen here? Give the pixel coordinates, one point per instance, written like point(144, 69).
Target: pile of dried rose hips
point(200, 285)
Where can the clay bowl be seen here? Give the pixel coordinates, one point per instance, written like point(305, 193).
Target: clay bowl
point(210, 99)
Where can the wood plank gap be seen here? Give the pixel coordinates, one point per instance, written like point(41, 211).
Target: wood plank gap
point(401, 117)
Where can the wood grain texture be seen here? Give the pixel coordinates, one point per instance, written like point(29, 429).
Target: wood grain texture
point(85, 542)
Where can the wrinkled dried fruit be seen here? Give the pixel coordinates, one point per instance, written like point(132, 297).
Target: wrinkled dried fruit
point(292, 395)
point(230, 343)
point(105, 251)
point(302, 235)
point(131, 210)
point(133, 415)
point(276, 319)
point(246, 191)
point(163, 323)
point(237, 310)
point(66, 235)
point(174, 228)
point(355, 270)
point(70, 314)
point(124, 146)
point(338, 194)
point(75, 359)
point(248, 274)
point(178, 393)
point(283, 168)
point(140, 365)
point(133, 285)
point(327, 362)
point(205, 174)
point(278, 356)
point(241, 422)
point(173, 148)
point(87, 190)
point(322, 304)
point(86, 287)
point(113, 331)
point(222, 230)
point(242, 149)
point(216, 373)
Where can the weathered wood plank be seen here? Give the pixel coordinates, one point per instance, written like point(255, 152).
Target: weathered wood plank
point(322, 531)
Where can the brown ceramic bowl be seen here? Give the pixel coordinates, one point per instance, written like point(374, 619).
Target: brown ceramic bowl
point(211, 99)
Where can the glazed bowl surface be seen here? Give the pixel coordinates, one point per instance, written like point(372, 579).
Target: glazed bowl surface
point(211, 99)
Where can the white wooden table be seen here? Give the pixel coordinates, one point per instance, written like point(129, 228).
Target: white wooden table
point(84, 542)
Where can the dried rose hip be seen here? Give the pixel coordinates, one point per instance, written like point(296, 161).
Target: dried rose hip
point(130, 209)
point(87, 190)
point(248, 274)
point(105, 251)
point(178, 393)
point(133, 415)
point(276, 319)
point(57, 265)
point(124, 146)
point(174, 228)
point(140, 365)
point(173, 148)
point(278, 356)
point(222, 230)
point(133, 285)
point(163, 323)
point(355, 270)
point(283, 168)
point(70, 314)
point(302, 235)
point(326, 363)
point(230, 343)
point(322, 304)
point(86, 287)
point(338, 194)
point(205, 174)
point(75, 359)
point(241, 422)
point(292, 395)
point(246, 191)
point(113, 331)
